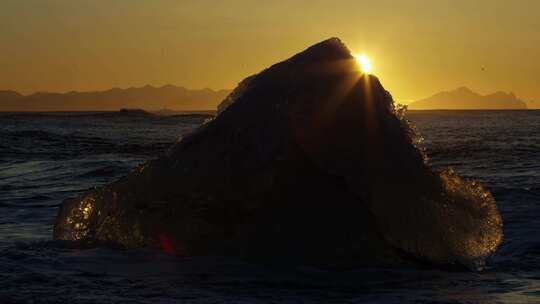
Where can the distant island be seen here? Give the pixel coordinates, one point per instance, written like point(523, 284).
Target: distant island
point(465, 99)
point(147, 98)
point(139, 112)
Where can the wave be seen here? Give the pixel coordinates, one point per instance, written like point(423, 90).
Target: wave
point(48, 145)
point(106, 171)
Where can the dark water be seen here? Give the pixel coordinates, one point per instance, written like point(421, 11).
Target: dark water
point(45, 158)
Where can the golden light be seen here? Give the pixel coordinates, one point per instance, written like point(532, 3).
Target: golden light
point(363, 62)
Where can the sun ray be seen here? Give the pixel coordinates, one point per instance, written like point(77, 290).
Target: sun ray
point(364, 63)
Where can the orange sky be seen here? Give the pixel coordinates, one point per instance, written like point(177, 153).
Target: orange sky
point(417, 47)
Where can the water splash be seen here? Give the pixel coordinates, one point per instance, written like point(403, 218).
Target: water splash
point(79, 217)
point(442, 218)
point(400, 111)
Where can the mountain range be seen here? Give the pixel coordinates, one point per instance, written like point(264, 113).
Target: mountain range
point(464, 98)
point(148, 98)
point(178, 98)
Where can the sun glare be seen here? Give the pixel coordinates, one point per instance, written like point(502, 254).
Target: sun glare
point(363, 62)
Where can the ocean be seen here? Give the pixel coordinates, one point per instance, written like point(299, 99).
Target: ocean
point(48, 157)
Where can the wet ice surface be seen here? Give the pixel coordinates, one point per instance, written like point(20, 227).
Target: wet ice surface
point(46, 158)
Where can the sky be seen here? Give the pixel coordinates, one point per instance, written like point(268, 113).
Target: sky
point(417, 48)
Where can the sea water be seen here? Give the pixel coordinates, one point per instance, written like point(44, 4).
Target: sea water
point(48, 157)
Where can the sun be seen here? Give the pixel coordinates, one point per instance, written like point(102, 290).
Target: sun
point(363, 62)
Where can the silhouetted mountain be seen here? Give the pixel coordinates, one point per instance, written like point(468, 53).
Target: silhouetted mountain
point(464, 98)
point(7, 96)
point(148, 98)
